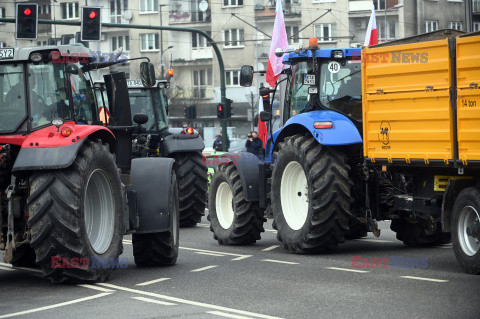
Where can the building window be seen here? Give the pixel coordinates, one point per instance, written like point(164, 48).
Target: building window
point(149, 42)
point(148, 6)
point(121, 41)
point(117, 7)
point(3, 44)
point(379, 4)
point(476, 26)
point(69, 10)
point(476, 6)
point(325, 32)
point(455, 25)
point(2, 12)
point(232, 77)
point(292, 34)
point(44, 9)
point(233, 37)
point(431, 26)
point(390, 30)
point(199, 41)
point(201, 79)
point(230, 3)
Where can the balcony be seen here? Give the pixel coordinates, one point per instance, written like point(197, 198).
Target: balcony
point(266, 9)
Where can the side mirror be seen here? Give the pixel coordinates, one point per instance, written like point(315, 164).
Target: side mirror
point(265, 116)
point(246, 75)
point(140, 118)
point(147, 74)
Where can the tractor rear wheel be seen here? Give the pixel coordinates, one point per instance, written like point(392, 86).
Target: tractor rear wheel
point(233, 220)
point(76, 217)
point(159, 249)
point(192, 187)
point(310, 195)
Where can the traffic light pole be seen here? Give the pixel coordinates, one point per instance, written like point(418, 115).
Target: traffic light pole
point(167, 28)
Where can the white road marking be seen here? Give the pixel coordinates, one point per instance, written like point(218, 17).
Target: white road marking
point(280, 261)
point(6, 265)
point(217, 252)
point(346, 269)
point(22, 268)
point(29, 269)
point(204, 268)
point(271, 230)
point(374, 240)
point(164, 303)
point(204, 225)
point(127, 242)
point(227, 315)
point(96, 288)
point(445, 246)
point(209, 254)
point(271, 248)
point(425, 279)
point(54, 306)
point(152, 281)
point(7, 268)
point(188, 302)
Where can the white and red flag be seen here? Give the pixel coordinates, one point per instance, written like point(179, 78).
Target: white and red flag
point(262, 126)
point(279, 40)
point(371, 38)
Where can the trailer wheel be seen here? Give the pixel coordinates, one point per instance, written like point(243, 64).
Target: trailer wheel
point(233, 220)
point(76, 217)
point(466, 218)
point(416, 234)
point(159, 249)
point(192, 187)
point(310, 195)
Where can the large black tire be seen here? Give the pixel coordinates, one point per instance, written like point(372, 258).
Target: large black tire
point(192, 187)
point(466, 211)
point(160, 249)
point(59, 203)
point(233, 221)
point(319, 222)
point(417, 234)
point(357, 230)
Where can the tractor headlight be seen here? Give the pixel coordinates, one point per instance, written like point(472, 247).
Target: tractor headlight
point(337, 54)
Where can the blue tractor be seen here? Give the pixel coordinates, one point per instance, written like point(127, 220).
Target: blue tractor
point(312, 173)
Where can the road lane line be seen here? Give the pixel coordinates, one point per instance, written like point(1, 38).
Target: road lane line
point(96, 288)
point(7, 268)
point(209, 254)
point(164, 303)
point(280, 261)
point(371, 240)
point(188, 302)
point(204, 225)
point(54, 306)
point(227, 315)
point(424, 279)
point(217, 252)
point(152, 282)
point(6, 265)
point(128, 240)
point(446, 246)
point(204, 268)
point(346, 269)
point(127, 243)
point(271, 248)
point(271, 230)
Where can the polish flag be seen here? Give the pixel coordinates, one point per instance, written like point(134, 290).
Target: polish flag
point(262, 126)
point(279, 40)
point(371, 38)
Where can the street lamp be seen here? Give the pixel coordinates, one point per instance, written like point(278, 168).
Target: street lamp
point(397, 6)
point(161, 35)
point(161, 60)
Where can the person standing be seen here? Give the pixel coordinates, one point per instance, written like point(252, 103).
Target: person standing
point(254, 145)
point(218, 143)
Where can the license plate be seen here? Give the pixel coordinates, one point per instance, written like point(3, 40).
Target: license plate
point(6, 53)
point(313, 90)
point(309, 79)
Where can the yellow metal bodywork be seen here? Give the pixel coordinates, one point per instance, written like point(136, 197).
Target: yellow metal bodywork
point(468, 98)
point(440, 182)
point(407, 110)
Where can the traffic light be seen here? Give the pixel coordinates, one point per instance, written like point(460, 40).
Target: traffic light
point(26, 22)
point(91, 24)
point(228, 108)
point(220, 111)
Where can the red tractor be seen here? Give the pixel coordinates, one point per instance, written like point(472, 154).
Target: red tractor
point(70, 189)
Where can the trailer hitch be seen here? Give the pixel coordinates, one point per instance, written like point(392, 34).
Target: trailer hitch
point(474, 230)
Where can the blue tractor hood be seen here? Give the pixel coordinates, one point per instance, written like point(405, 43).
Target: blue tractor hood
point(294, 57)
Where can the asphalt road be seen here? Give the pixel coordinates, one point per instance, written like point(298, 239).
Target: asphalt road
point(258, 281)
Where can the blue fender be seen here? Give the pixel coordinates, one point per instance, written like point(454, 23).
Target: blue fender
point(343, 132)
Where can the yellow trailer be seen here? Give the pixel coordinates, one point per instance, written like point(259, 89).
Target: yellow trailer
point(421, 130)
